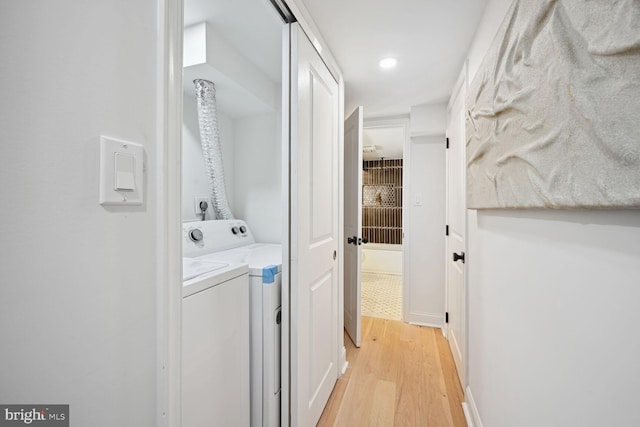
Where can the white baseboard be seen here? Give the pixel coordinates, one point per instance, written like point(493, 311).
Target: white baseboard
point(467, 415)
point(425, 319)
point(471, 410)
point(391, 273)
point(345, 362)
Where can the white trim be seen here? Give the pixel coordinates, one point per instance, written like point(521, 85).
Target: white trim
point(406, 221)
point(345, 363)
point(342, 351)
point(425, 134)
point(467, 414)
point(445, 327)
point(471, 410)
point(465, 380)
point(169, 269)
point(461, 83)
point(285, 381)
point(387, 122)
point(425, 319)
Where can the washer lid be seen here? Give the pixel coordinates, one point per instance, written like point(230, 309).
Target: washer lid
point(195, 267)
point(256, 255)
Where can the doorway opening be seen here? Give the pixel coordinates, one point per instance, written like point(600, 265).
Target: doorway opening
point(232, 192)
point(382, 221)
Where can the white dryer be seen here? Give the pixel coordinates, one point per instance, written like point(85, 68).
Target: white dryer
point(265, 290)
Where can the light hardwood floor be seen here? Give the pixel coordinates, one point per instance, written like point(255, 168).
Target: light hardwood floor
point(402, 375)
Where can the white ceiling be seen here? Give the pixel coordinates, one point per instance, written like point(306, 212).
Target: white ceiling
point(252, 27)
point(387, 142)
point(430, 39)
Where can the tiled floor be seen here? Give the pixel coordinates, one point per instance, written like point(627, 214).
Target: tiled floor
point(382, 296)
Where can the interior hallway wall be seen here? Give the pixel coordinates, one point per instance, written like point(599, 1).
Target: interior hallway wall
point(425, 186)
point(78, 319)
point(553, 308)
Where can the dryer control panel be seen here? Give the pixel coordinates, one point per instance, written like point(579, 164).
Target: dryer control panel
point(205, 237)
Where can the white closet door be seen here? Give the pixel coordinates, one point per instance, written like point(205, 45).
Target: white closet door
point(314, 232)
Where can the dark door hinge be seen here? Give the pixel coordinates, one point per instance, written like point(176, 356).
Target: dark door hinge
point(446, 230)
point(446, 317)
point(447, 143)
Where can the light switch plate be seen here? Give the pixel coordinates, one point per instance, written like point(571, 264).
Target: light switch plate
point(109, 195)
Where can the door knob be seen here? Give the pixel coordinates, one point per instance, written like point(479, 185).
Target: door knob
point(356, 240)
point(458, 257)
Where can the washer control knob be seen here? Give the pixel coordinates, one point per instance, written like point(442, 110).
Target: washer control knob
point(235, 230)
point(195, 235)
point(243, 229)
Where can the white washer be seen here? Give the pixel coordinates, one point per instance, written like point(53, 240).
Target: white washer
point(265, 267)
point(215, 343)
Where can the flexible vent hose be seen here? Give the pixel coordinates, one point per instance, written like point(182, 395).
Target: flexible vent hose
point(211, 147)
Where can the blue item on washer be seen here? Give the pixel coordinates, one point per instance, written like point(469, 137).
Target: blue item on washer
point(269, 273)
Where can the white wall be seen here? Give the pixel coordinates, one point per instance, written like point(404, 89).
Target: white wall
point(553, 316)
point(553, 308)
point(424, 242)
point(251, 151)
point(428, 119)
point(493, 16)
point(195, 182)
point(382, 258)
point(258, 175)
point(78, 281)
point(249, 120)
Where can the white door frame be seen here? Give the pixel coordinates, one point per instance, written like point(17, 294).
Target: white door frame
point(285, 386)
point(169, 227)
point(460, 86)
point(404, 123)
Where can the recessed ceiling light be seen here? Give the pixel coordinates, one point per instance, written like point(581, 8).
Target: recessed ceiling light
point(388, 63)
